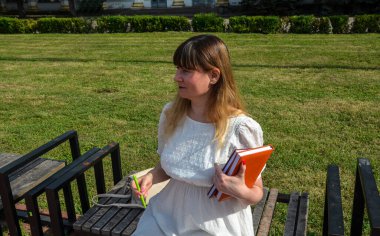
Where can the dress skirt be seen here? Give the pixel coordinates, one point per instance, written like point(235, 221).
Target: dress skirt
point(184, 209)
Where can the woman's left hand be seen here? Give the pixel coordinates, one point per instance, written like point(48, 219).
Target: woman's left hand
point(235, 185)
point(231, 185)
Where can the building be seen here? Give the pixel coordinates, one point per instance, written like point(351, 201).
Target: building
point(64, 5)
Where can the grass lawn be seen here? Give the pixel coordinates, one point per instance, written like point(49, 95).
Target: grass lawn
point(316, 96)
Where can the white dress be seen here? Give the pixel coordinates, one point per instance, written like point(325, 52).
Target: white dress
point(188, 157)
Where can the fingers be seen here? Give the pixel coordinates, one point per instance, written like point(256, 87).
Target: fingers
point(134, 187)
point(242, 169)
point(218, 173)
point(144, 188)
point(145, 183)
point(218, 170)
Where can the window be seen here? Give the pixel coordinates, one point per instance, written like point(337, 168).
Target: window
point(159, 4)
point(48, 1)
point(203, 2)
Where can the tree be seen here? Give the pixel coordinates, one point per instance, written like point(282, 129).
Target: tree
point(72, 7)
point(21, 9)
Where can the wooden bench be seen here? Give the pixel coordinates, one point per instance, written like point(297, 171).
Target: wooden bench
point(21, 175)
point(102, 220)
point(123, 221)
point(58, 224)
point(16, 182)
point(366, 195)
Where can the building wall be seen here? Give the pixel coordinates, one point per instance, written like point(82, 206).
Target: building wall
point(59, 5)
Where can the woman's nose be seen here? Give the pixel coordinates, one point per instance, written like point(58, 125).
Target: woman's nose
point(178, 77)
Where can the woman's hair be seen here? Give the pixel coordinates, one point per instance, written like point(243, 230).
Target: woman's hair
point(206, 52)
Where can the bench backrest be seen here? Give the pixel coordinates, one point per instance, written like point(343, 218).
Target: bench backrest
point(366, 195)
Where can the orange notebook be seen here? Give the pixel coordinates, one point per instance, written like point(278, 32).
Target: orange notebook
point(255, 159)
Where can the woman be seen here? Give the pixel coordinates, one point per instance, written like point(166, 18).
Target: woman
point(197, 133)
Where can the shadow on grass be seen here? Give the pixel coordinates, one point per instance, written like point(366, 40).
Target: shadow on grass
point(316, 66)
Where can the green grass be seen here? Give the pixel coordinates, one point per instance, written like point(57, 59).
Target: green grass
point(316, 96)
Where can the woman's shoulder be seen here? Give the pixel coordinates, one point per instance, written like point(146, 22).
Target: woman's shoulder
point(247, 131)
point(245, 121)
point(167, 106)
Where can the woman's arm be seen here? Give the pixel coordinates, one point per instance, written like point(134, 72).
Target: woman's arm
point(235, 186)
point(156, 175)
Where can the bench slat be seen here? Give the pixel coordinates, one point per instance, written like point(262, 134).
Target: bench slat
point(83, 219)
point(112, 211)
point(333, 220)
point(108, 228)
point(123, 224)
point(267, 216)
point(100, 211)
point(132, 226)
point(292, 214)
point(26, 178)
point(6, 158)
point(258, 211)
point(371, 194)
point(18, 173)
point(35, 176)
point(302, 215)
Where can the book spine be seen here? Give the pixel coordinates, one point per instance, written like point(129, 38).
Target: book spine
point(226, 167)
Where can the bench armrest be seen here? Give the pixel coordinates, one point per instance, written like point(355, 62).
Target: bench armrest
point(70, 135)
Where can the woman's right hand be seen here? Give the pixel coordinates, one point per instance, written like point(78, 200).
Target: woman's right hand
point(145, 182)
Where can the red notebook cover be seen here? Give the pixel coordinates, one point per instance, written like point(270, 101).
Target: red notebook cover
point(255, 159)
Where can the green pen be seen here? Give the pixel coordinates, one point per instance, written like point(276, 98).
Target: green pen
point(138, 189)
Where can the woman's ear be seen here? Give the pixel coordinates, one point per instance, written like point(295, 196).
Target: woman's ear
point(214, 75)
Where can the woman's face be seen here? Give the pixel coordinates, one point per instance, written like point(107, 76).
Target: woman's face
point(193, 84)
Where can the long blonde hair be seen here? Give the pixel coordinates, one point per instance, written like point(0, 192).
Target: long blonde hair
point(207, 52)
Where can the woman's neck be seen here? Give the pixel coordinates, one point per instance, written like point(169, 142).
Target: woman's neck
point(198, 112)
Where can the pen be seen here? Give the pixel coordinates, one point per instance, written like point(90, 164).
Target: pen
point(138, 189)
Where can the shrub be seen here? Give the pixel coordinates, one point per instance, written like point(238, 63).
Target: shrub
point(366, 24)
point(62, 25)
point(339, 24)
point(11, 26)
point(146, 24)
point(113, 24)
point(322, 25)
point(239, 24)
point(301, 24)
point(30, 26)
point(209, 22)
point(265, 24)
point(175, 23)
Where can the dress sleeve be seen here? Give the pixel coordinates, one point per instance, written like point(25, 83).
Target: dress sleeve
point(160, 136)
point(250, 134)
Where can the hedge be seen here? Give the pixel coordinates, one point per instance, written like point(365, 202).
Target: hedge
point(14, 26)
point(301, 24)
point(339, 24)
point(113, 24)
point(200, 23)
point(62, 25)
point(208, 22)
point(255, 24)
point(366, 24)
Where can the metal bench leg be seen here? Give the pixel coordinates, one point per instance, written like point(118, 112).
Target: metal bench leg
point(33, 215)
point(9, 206)
point(55, 212)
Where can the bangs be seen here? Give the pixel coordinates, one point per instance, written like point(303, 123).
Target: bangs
point(186, 57)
